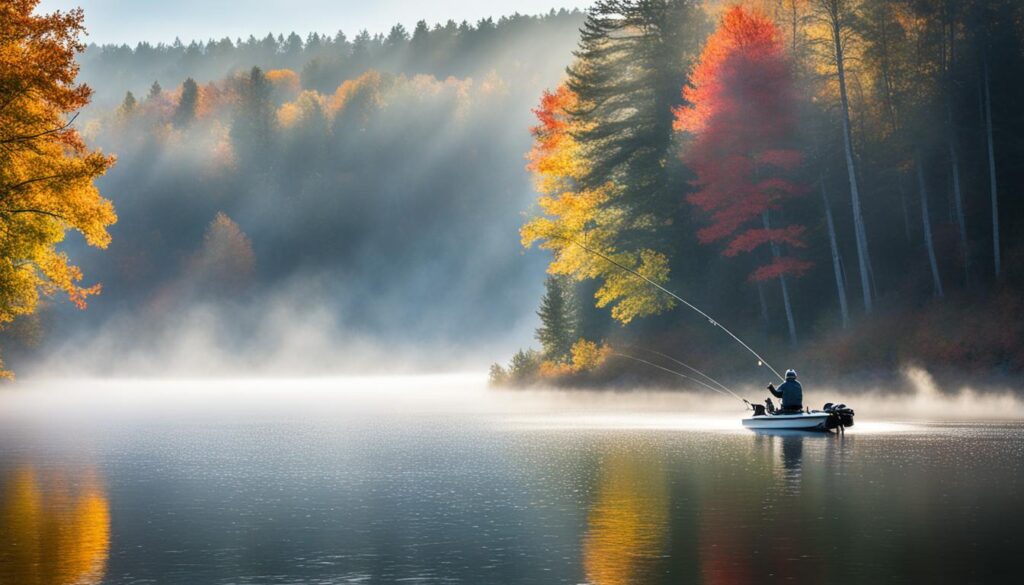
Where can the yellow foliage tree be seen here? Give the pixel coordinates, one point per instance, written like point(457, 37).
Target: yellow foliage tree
point(308, 110)
point(46, 170)
point(583, 357)
point(551, 370)
point(575, 223)
point(587, 355)
point(355, 100)
point(285, 82)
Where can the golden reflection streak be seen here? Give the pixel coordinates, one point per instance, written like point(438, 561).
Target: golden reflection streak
point(56, 533)
point(628, 522)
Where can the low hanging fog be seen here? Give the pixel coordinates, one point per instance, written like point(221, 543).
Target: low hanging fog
point(350, 202)
point(350, 205)
point(79, 402)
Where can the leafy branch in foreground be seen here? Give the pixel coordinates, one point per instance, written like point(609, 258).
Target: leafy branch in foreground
point(46, 170)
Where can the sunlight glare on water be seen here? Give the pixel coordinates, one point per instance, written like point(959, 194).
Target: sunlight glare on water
point(438, 479)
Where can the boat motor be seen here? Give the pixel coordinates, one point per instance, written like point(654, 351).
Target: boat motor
point(841, 415)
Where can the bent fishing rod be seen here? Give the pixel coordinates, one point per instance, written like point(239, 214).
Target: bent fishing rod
point(711, 320)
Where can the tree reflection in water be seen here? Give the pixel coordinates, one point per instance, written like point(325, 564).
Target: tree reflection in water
point(766, 520)
point(628, 521)
point(56, 529)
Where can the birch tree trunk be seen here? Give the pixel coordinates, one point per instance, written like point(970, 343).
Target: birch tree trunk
point(836, 262)
point(764, 307)
point(951, 137)
point(992, 174)
point(927, 222)
point(834, 13)
point(958, 203)
point(790, 322)
point(903, 205)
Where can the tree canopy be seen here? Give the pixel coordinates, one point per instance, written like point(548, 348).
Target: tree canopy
point(46, 169)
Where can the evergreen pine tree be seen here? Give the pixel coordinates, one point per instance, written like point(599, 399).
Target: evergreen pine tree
point(397, 38)
point(419, 47)
point(361, 48)
point(523, 367)
point(251, 132)
point(559, 316)
point(185, 113)
point(128, 105)
point(155, 90)
point(631, 63)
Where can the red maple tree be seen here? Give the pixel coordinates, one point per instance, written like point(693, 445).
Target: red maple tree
point(742, 118)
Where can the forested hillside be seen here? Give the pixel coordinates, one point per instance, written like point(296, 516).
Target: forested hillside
point(834, 179)
point(323, 194)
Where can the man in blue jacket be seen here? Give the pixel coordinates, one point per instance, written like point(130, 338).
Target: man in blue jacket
point(791, 393)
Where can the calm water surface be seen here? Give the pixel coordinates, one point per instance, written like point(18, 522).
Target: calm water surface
point(437, 480)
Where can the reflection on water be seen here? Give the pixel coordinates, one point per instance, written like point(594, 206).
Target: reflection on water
point(792, 461)
point(762, 522)
point(792, 455)
point(251, 486)
point(628, 522)
point(56, 527)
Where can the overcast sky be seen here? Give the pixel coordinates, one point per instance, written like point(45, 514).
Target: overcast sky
point(117, 21)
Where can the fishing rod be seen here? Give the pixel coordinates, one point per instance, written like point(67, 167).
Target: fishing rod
point(712, 321)
point(688, 367)
point(681, 375)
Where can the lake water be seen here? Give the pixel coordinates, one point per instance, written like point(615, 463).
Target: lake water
point(439, 480)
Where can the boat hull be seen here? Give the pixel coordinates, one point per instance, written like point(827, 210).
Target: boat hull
point(791, 422)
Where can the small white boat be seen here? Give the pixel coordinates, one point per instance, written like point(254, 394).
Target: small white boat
point(832, 416)
point(802, 421)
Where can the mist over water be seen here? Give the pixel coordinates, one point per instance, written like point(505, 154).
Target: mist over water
point(278, 336)
point(455, 394)
point(439, 479)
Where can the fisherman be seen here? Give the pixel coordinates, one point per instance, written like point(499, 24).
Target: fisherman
point(791, 393)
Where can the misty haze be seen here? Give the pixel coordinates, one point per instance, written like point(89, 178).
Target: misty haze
point(622, 292)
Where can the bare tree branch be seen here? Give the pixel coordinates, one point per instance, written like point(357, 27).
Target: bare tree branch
point(28, 137)
point(6, 191)
point(37, 211)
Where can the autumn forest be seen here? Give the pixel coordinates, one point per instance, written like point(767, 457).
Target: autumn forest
point(837, 180)
point(827, 173)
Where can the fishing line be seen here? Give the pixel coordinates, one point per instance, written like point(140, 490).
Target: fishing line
point(760, 360)
point(680, 374)
point(688, 367)
point(669, 370)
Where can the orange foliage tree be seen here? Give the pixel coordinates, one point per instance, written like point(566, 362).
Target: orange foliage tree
point(743, 123)
point(285, 83)
point(226, 262)
point(46, 170)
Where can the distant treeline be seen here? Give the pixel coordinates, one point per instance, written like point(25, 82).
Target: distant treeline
point(511, 45)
